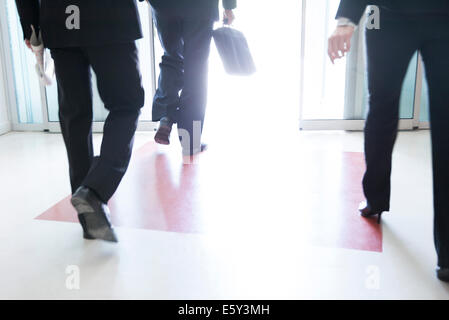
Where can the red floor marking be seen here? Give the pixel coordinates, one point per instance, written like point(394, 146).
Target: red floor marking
point(360, 233)
point(322, 188)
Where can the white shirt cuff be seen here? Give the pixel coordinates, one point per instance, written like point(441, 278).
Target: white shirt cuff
point(345, 22)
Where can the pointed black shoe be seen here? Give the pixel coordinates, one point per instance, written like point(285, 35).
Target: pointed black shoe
point(367, 212)
point(163, 133)
point(93, 215)
point(443, 274)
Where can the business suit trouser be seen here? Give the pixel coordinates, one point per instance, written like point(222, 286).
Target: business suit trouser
point(182, 88)
point(389, 51)
point(119, 84)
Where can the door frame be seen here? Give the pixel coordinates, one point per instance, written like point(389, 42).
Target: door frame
point(5, 126)
point(8, 74)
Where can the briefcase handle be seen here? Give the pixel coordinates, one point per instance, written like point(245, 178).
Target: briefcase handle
point(225, 23)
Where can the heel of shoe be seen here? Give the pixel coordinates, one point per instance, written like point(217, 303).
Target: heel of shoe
point(86, 234)
point(163, 135)
point(106, 234)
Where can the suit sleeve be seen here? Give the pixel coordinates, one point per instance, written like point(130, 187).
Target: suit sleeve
point(29, 15)
point(229, 4)
point(352, 9)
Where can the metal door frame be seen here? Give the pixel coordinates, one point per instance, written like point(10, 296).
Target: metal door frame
point(5, 127)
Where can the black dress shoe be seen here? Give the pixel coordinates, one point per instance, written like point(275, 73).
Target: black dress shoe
point(367, 212)
point(93, 215)
point(203, 148)
point(443, 274)
point(163, 133)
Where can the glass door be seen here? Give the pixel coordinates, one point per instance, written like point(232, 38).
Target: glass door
point(25, 91)
point(36, 107)
point(334, 96)
point(293, 62)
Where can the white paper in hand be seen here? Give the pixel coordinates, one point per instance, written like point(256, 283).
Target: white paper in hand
point(44, 63)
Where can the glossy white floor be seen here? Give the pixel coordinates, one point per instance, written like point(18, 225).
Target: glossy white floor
point(36, 255)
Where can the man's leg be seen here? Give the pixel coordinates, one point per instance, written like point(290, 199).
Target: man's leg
point(166, 99)
point(434, 54)
point(389, 51)
point(197, 37)
point(120, 87)
point(75, 110)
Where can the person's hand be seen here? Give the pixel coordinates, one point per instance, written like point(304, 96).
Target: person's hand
point(28, 44)
point(228, 17)
point(340, 42)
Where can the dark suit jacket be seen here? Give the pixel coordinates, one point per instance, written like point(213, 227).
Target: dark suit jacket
point(195, 9)
point(353, 9)
point(101, 21)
